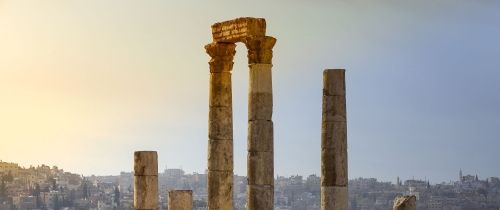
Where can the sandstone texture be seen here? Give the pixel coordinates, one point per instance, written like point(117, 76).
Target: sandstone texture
point(220, 126)
point(238, 29)
point(334, 198)
point(180, 200)
point(407, 202)
point(334, 178)
point(260, 159)
point(145, 180)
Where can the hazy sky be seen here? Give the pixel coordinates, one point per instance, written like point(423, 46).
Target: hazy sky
point(83, 84)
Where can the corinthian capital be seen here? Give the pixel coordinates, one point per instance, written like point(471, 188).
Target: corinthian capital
point(221, 50)
point(260, 49)
point(222, 56)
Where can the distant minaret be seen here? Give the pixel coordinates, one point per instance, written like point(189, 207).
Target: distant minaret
point(460, 176)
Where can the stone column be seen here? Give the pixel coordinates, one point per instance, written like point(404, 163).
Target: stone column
point(180, 200)
point(334, 194)
point(260, 160)
point(220, 128)
point(405, 203)
point(145, 180)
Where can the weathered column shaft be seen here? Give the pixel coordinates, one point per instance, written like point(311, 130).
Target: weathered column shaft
point(220, 128)
point(180, 200)
point(260, 160)
point(405, 203)
point(145, 180)
point(334, 193)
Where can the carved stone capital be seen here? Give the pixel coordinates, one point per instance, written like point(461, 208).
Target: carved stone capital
point(260, 49)
point(221, 50)
point(222, 55)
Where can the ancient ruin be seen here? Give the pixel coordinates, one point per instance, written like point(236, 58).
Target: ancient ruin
point(180, 200)
point(145, 180)
point(405, 203)
point(334, 142)
point(260, 159)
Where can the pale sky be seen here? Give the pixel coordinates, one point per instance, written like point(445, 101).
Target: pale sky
point(84, 84)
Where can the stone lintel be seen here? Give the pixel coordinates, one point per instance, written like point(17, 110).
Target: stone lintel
point(238, 29)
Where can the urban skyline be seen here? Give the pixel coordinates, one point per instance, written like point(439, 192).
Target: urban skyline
point(166, 167)
point(51, 187)
point(85, 84)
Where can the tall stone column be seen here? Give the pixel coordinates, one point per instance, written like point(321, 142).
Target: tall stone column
point(334, 194)
point(145, 180)
point(405, 203)
point(220, 128)
point(180, 200)
point(260, 160)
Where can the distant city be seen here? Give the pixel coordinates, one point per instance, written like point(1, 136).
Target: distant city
point(48, 187)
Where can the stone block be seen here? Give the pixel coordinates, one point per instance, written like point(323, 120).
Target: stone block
point(145, 163)
point(146, 192)
point(237, 30)
point(220, 155)
point(220, 190)
point(334, 136)
point(333, 167)
point(260, 136)
point(220, 89)
point(334, 108)
point(260, 197)
point(220, 125)
point(334, 82)
point(334, 198)
point(260, 78)
point(407, 202)
point(180, 200)
point(260, 106)
point(260, 168)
